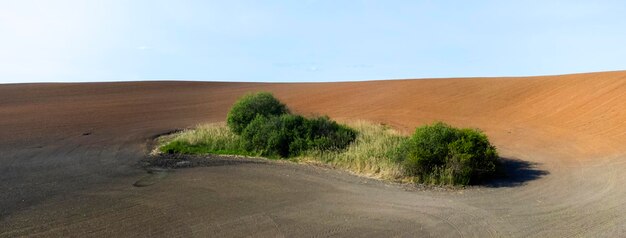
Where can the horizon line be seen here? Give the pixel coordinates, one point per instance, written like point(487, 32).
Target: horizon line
point(303, 82)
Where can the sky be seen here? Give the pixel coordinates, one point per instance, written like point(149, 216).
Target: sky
point(305, 40)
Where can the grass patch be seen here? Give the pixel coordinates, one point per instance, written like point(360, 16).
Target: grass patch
point(214, 138)
point(370, 154)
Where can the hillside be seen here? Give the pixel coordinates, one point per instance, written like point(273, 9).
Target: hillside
point(63, 143)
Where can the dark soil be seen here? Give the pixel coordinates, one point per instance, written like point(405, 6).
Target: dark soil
point(177, 161)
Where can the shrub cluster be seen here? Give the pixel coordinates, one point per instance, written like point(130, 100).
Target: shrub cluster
point(289, 135)
point(274, 132)
point(441, 154)
point(249, 106)
point(259, 124)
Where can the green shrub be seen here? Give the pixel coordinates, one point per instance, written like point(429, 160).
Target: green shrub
point(471, 157)
point(324, 134)
point(289, 135)
point(441, 154)
point(428, 147)
point(251, 105)
point(271, 136)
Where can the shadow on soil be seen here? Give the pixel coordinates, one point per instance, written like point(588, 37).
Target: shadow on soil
point(516, 172)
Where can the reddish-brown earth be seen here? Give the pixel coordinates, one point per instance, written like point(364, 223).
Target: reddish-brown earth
point(69, 153)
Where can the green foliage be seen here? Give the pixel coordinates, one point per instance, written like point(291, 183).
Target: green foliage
point(471, 157)
point(441, 154)
point(428, 147)
point(270, 136)
point(249, 106)
point(289, 135)
point(324, 134)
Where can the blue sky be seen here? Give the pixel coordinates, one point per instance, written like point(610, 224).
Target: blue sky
point(305, 40)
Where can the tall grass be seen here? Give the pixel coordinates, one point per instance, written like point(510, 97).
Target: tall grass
point(214, 138)
point(368, 155)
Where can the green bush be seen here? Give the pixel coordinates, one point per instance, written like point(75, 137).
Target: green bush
point(289, 135)
point(251, 105)
point(271, 136)
point(324, 134)
point(441, 154)
point(471, 157)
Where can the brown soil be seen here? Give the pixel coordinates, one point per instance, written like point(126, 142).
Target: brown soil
point(70, 155)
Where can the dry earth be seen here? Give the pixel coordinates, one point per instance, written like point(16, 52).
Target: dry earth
point(69, 158)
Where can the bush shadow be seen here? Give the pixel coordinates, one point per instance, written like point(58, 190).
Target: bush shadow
point(516, 172)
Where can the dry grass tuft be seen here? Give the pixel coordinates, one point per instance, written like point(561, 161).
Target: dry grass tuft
point(368, 155)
